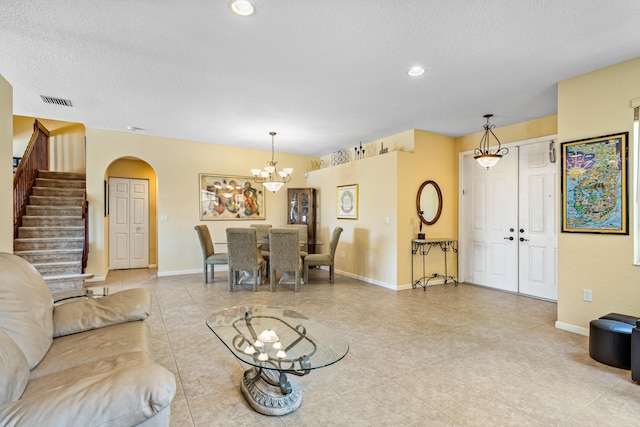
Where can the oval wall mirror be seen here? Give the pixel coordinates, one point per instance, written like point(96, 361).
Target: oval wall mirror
point(429, 202)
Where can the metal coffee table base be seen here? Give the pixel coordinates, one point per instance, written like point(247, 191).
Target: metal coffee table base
point(270, 392)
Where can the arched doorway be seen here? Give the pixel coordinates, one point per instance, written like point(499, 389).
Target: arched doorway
point(131, 228)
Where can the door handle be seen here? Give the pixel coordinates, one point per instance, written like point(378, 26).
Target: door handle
point(508, 238)
point(522, 239)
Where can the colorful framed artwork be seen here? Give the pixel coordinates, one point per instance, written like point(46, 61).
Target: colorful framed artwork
point(347, 201)
point(594, 185)
point(225, 197)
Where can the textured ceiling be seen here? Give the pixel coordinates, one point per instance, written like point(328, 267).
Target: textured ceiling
point(324, 74)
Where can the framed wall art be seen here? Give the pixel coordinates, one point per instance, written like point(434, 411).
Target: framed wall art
point(594, 185)
point(225, 197)
point(347, 202)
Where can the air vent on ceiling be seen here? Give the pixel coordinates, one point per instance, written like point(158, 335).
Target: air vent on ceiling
point(57, 101)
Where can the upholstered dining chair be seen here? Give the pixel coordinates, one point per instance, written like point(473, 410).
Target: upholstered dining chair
point(313, 260)
point(262, 234)
point(303, 237)
point(285, 256)
point(209, 256)
point(242, 246)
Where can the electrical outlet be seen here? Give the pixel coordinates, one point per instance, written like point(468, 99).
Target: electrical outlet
point(587, 295)
point(341, 254)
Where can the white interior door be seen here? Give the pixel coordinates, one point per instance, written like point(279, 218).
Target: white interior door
point(128, 223)
point(508, 222)
point(491, 246)
point(538, 238)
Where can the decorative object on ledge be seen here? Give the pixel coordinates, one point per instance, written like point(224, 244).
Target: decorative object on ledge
point(270, 177)
point(486, 156)
point(359, 152)
point(347, 201)
point(382, 149)
point(594, 185)
point(340, 157)
point(229, 197)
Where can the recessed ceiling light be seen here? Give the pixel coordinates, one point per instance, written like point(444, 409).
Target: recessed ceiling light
point(133, 128)
point(241, 7)
point(415, 71)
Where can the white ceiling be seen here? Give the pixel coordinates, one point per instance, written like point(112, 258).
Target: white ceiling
point(324, 74)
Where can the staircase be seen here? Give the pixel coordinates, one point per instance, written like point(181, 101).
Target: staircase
point(52, 235)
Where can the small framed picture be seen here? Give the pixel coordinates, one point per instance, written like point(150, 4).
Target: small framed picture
point(347, 202)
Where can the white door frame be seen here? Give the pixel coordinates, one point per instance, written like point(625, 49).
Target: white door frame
point(463, 233)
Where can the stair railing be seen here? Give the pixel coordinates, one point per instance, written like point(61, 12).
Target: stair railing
point(85, 219)
point(35, 158)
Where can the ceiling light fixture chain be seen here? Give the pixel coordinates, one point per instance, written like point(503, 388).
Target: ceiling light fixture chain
point(270, 177)
point(486, 156)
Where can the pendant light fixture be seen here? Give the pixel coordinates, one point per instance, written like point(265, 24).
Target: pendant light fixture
point(270, 177)
point(486, 156)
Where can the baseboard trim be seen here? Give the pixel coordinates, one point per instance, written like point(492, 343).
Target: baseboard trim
point(191, 271)
point(391, 286)
point(572, 328)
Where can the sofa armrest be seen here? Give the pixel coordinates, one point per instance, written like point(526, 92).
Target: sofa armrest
point(119, 396)
point(79, 316)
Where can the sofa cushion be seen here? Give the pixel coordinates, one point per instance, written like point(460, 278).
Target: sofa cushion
point(91, 346)
point(14, 370)
point(26, 307)
point(120, 390)
point(84, 315)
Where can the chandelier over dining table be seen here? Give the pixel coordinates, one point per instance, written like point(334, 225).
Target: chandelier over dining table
point(270, 177)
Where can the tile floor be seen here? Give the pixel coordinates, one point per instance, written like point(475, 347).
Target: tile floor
point(450, 356)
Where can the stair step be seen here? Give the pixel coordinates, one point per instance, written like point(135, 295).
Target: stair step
point(56, 191)
point(61, 175)
point(66, 282)
point(53, 255)
point(48, 243)
point(54, 211)
point(55, 201)
point(52, 221)
point(55, 269)
point(47, 232)
point(60, 183)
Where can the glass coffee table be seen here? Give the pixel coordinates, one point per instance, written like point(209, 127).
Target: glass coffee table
point(275, 341)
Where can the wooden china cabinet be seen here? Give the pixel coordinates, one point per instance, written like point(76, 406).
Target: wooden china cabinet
point(301, 209)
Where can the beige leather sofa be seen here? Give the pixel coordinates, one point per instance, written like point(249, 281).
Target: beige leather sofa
point(83, 363)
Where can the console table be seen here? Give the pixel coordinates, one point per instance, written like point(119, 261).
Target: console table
point(422, 247)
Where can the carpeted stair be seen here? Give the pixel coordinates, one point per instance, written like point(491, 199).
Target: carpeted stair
point(52, 233)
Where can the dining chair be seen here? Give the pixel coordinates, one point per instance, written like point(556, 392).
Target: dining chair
point(313, 260)
point(285, 256)
point(262, 234)
point(209, 256)
point(244, 255)
point(303, 238)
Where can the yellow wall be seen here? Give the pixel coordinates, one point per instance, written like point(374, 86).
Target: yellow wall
point(6, 171)
point(368, 246)
point(517, 132)
point(177, 164)
point(591, 105)
point(375, 251)
point(66, 148)
point(133, 168)
point(66, 142)
point(434, 158)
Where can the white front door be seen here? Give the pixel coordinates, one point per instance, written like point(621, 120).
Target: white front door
point(538, 238)
point(128, 223)
point(491, 217)
point(508, 215)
